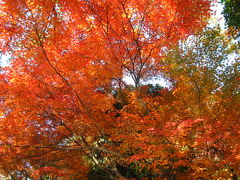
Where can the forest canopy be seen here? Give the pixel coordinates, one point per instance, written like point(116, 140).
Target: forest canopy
point(68, 112)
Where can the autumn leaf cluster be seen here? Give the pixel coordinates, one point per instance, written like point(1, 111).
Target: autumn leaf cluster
point(68, 111)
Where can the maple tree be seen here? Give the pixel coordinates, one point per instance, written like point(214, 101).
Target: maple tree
point(66, 109)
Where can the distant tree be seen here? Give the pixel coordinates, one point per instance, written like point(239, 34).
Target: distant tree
point(231, 13)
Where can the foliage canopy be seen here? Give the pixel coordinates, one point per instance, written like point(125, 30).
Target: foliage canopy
point(67, 111)
point(231, 14)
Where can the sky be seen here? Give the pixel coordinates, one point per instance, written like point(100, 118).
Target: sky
point(218, 17)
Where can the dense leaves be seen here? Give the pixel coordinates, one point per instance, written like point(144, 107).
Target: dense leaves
point(67, 110)
point(231, 14)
